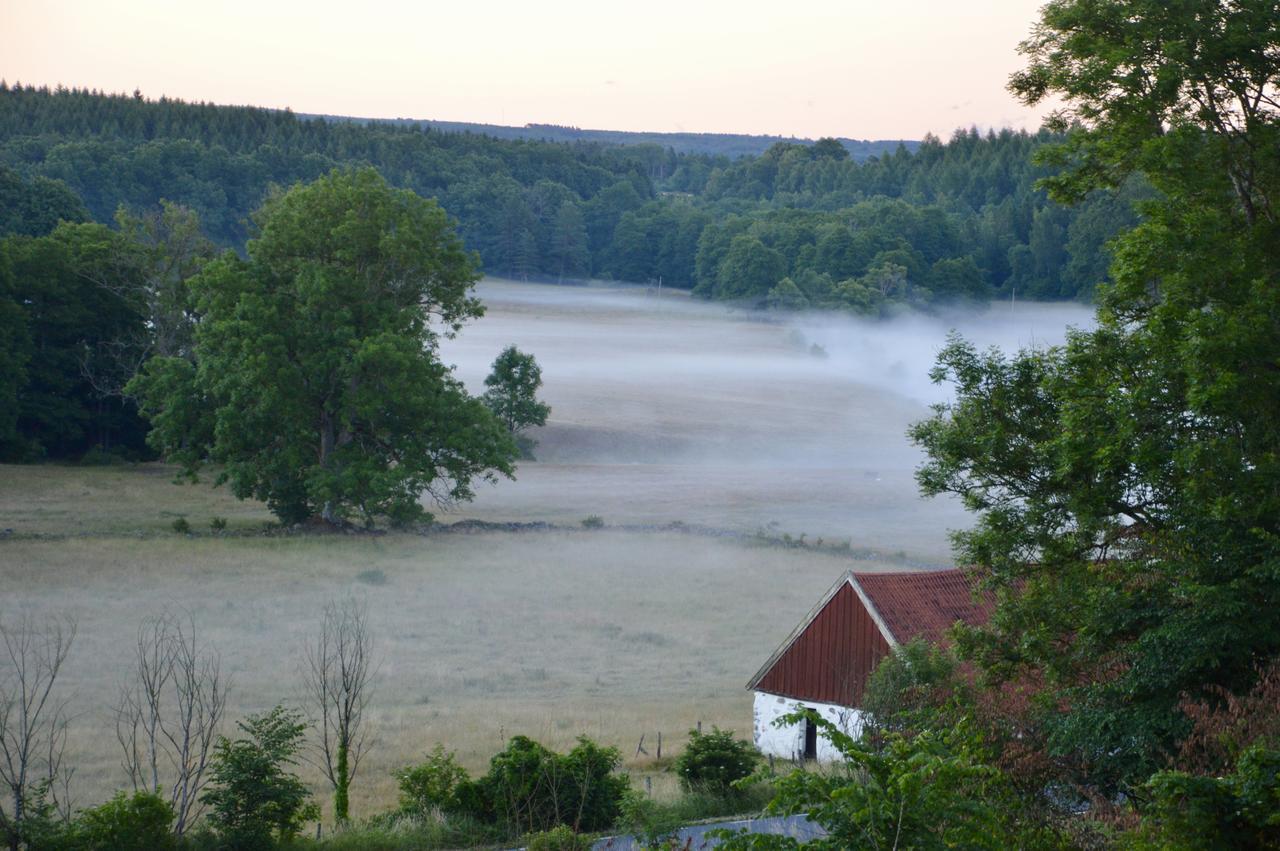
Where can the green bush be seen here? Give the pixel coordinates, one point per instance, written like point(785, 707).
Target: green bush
point(593, 521)
point(937, 789)
point(398, 832)
point(560, 838)
point(99, 457)
point(137, 822)
point(1239, 810)
point(903, 692)
point(713, 762)
point(218, 524)
point(528, 788)
point(432, 785)
point(254, 801)
point(655, 822)
point(180, 525)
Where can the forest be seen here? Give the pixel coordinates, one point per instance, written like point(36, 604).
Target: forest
point(731, 145)
point(799, 226)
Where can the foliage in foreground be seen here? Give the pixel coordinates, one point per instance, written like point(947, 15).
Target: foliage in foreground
point(934, 790)
point(255, 801)
point(654, 823)
point(1126, 486)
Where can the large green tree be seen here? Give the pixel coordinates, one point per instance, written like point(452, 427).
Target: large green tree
point(1127, 485)
point(316, 382)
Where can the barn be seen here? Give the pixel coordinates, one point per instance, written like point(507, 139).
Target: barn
point(824, 664)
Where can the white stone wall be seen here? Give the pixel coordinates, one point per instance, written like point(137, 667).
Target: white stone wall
point(788, 742)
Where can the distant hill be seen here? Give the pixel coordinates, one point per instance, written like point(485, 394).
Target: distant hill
point(732, 145)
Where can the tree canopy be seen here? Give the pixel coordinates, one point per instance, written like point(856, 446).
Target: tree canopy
point(315, 381)
point(1126, 485)
point(636, 213)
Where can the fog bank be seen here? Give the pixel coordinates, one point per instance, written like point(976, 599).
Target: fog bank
point(665, 408)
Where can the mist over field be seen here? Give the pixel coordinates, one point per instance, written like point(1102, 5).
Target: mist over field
point(666, 409)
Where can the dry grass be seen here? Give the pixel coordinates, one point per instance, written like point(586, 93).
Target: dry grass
point(553, 635)
point(126, 500)
point(663, 411)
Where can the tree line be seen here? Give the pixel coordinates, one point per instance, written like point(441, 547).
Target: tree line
point(818, 229)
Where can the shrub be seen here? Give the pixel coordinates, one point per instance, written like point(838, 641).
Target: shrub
point(398, 832)
point(431, 785)
point(560, 838)
point(181, 526)
point(713, 761)
point(254, 800)
point(527, 788)
point(531, 788)
point(137, 822)
point(906, 688)
point(934, 790)
point(99, 457)
point(1238, 810)
point(372, 576)
point(593, 521)
point(218, 524)
point(655, 823)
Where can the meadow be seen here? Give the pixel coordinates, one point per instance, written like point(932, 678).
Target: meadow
point(664, 411)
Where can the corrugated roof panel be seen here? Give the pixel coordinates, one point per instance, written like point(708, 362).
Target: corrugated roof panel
point(830, 655)
point(925, 604)
point(830, 660)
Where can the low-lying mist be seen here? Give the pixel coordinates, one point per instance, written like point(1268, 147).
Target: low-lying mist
point(664, 409)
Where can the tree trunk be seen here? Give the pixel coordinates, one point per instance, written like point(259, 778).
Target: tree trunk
point(328, 441)
point(342, 785)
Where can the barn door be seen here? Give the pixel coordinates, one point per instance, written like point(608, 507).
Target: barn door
point(810, 739)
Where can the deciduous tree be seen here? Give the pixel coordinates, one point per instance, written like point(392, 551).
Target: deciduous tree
point(512, 392)
point(338, 674)
point(1127, 485)
point(317, 384)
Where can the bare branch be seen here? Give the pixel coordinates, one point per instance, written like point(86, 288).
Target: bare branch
point(168, 715)
point(33, 718)
point(338, 671)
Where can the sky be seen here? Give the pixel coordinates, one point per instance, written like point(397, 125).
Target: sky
point(863, 69)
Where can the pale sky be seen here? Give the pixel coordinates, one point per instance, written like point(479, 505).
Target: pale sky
point(866, 69)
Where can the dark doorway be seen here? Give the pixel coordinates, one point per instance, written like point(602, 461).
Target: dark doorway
point(810, 739)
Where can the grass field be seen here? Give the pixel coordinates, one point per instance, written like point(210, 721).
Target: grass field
point(481, 636)
point(663, 411)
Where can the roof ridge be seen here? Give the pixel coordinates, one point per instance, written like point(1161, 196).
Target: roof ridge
point(872, 610)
